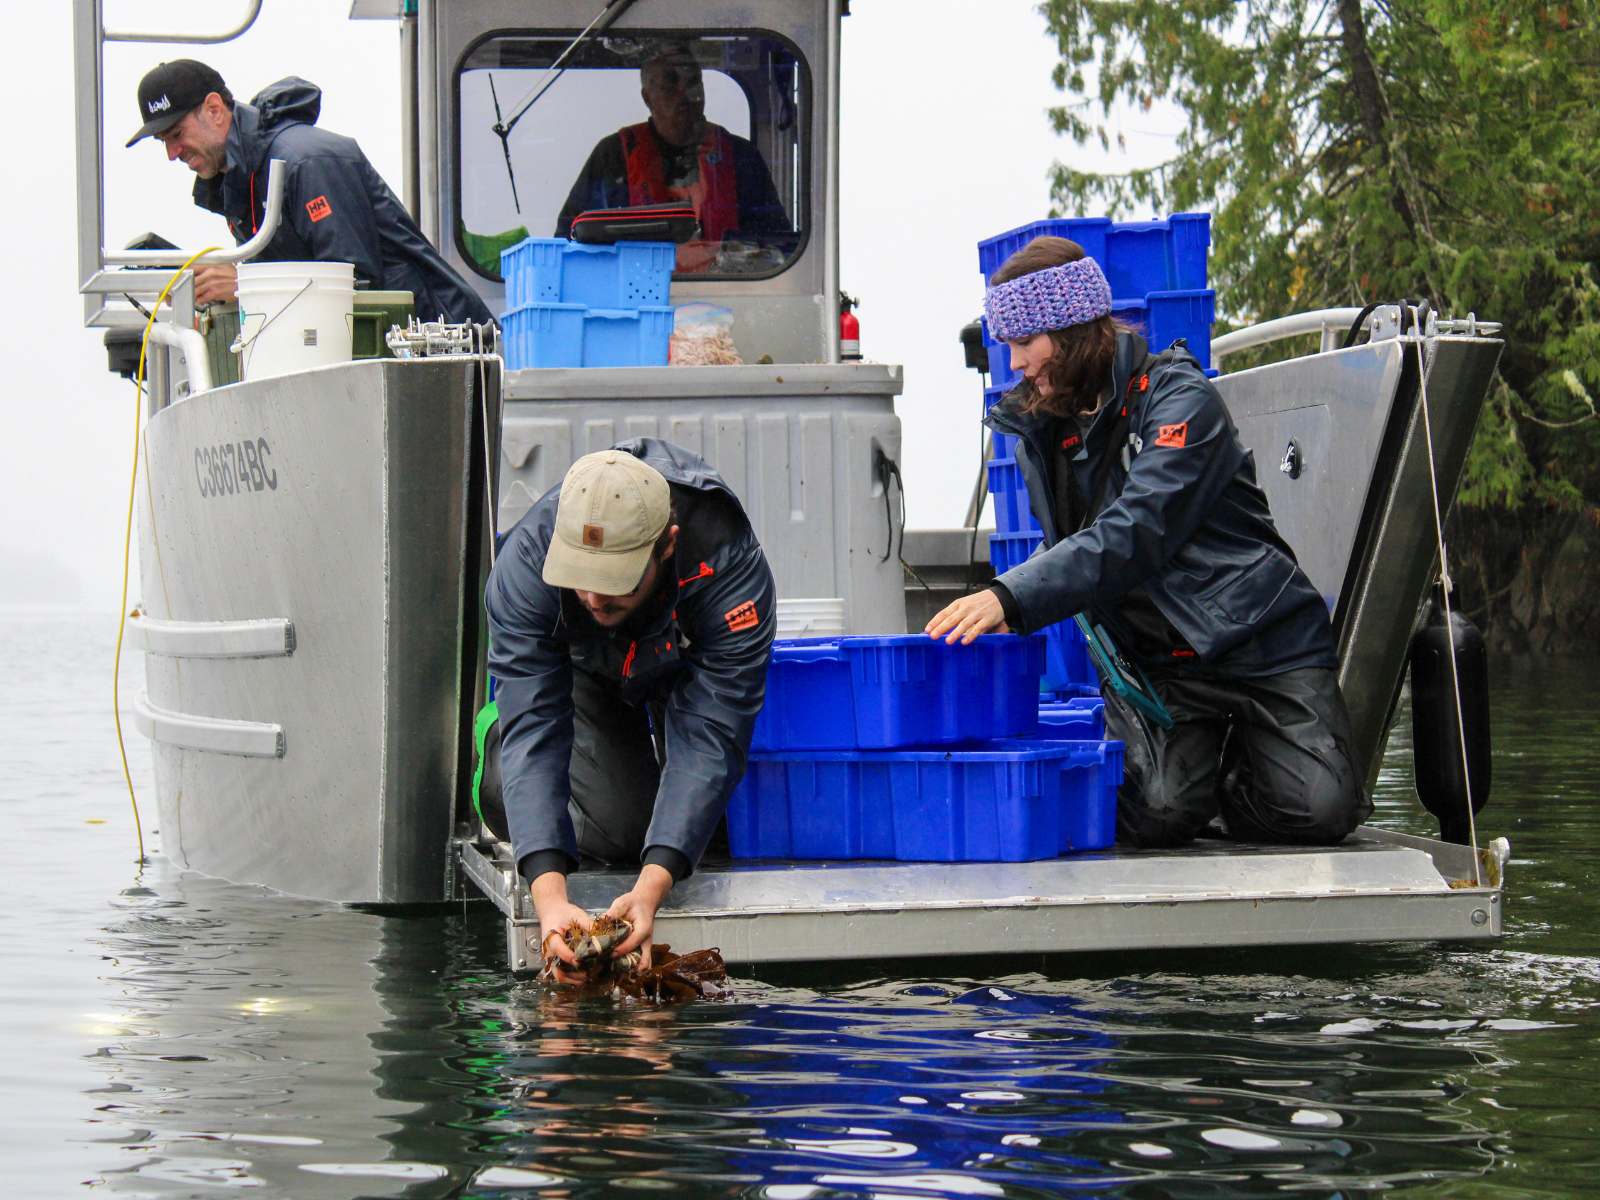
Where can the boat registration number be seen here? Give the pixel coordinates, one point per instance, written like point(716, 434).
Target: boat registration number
point(232, 468)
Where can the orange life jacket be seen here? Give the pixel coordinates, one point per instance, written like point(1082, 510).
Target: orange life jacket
point(715, 194)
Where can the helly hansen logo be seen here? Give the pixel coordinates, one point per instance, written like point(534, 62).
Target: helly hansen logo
point(594, 535)
point(319, 208)
point(1069, 443)
point(160, 105)
point(1174, 435)
point(743, 617)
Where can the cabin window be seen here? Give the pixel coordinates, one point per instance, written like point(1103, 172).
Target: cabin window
point(718, 121)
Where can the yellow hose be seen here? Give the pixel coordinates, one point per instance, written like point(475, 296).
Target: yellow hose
point(127, 543)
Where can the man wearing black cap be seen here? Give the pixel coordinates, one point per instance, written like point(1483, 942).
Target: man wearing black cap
point(336, 208)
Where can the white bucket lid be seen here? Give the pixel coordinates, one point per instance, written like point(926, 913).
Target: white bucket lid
point(255, 274)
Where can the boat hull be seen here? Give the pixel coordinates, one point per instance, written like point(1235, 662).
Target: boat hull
point(1354, 502)
point(338, 503)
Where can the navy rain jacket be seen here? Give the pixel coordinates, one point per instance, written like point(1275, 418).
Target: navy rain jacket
point(710, 644)
point(1186, 520)
point(336, 207)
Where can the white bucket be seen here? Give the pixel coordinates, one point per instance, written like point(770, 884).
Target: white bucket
point(810, 618)
point(294, 316)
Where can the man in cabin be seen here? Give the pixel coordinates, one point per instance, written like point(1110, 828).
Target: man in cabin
point(336, 208)
point(631, 618)
point(679, 155)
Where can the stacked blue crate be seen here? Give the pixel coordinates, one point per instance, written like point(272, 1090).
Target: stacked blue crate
point(1156, 269)
point(574, 305)
point(902, 747)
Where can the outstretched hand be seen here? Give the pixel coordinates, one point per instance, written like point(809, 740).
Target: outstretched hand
point(968, 617)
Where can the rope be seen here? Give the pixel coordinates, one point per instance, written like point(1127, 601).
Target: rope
point(127, 545)
point(1420, 317)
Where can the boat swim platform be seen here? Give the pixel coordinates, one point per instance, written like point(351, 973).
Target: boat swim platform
point(1377, 886)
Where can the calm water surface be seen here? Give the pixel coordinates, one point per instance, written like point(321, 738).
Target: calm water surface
point(167, 1035)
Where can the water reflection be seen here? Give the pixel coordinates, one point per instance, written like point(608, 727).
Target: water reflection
point(299, 1050)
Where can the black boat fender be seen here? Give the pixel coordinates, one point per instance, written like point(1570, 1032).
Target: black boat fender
point(1437, 733)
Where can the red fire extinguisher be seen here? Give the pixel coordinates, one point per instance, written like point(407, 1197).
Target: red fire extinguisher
point(849, 329)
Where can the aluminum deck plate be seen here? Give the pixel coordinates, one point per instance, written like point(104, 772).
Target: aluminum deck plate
point(1378, 886)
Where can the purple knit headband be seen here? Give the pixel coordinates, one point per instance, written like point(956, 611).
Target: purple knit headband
point(1053, 298)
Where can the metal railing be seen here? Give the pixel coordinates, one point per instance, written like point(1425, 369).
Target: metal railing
point(1334, 324)
point(89, 37)
point(199, 39)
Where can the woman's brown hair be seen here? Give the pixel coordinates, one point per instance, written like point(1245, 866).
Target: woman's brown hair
point(1078, 370)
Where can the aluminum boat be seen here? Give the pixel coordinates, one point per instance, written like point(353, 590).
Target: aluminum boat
point(313, 546)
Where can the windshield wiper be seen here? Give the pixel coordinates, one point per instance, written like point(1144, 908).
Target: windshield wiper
point(505, 144)
point(503, 127)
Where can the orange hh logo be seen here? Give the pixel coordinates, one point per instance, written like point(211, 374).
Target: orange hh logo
point(743, 617)
point(319, 208)
point(594, 535)
point(1174, 435)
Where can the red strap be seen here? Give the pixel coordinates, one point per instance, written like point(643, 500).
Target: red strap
point(627, 663)
point(705, 570)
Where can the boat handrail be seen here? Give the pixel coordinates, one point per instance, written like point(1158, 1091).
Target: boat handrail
point(241, 253)
point(205, 39)
point(1382, 320)
point(1321, 320)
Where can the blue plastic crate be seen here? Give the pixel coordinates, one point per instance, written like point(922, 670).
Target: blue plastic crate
point(1167, 316)
point(556, 271)
point(1138, 257)
point(1067, 661)
point(1000, 373)
point(1076, 691)
point(1011, 511)
point(543, 335)
point(1087, 801)
point(898, 690)
point(1007, 550)
point(1066, 658)
point(1077, 719)
point(1088, 232)
point(572, 335)
point(1012, 800)
point(626, 337)
point(1002, 443)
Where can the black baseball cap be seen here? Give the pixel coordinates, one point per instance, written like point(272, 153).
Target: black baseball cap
point(171, 91)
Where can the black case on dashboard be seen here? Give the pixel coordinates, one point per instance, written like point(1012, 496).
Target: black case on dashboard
point(641, 223)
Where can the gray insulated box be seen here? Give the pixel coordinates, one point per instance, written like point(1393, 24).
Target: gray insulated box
point(795, 441)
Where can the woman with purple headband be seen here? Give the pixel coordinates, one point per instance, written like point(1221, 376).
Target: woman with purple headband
point(1155, 529)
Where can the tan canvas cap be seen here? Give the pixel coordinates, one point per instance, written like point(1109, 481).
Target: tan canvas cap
point(612, 509)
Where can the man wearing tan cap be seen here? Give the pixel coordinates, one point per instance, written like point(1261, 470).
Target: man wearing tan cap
point(631, 619)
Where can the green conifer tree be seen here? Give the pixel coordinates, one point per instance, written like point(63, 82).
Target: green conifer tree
point(1355, 152)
